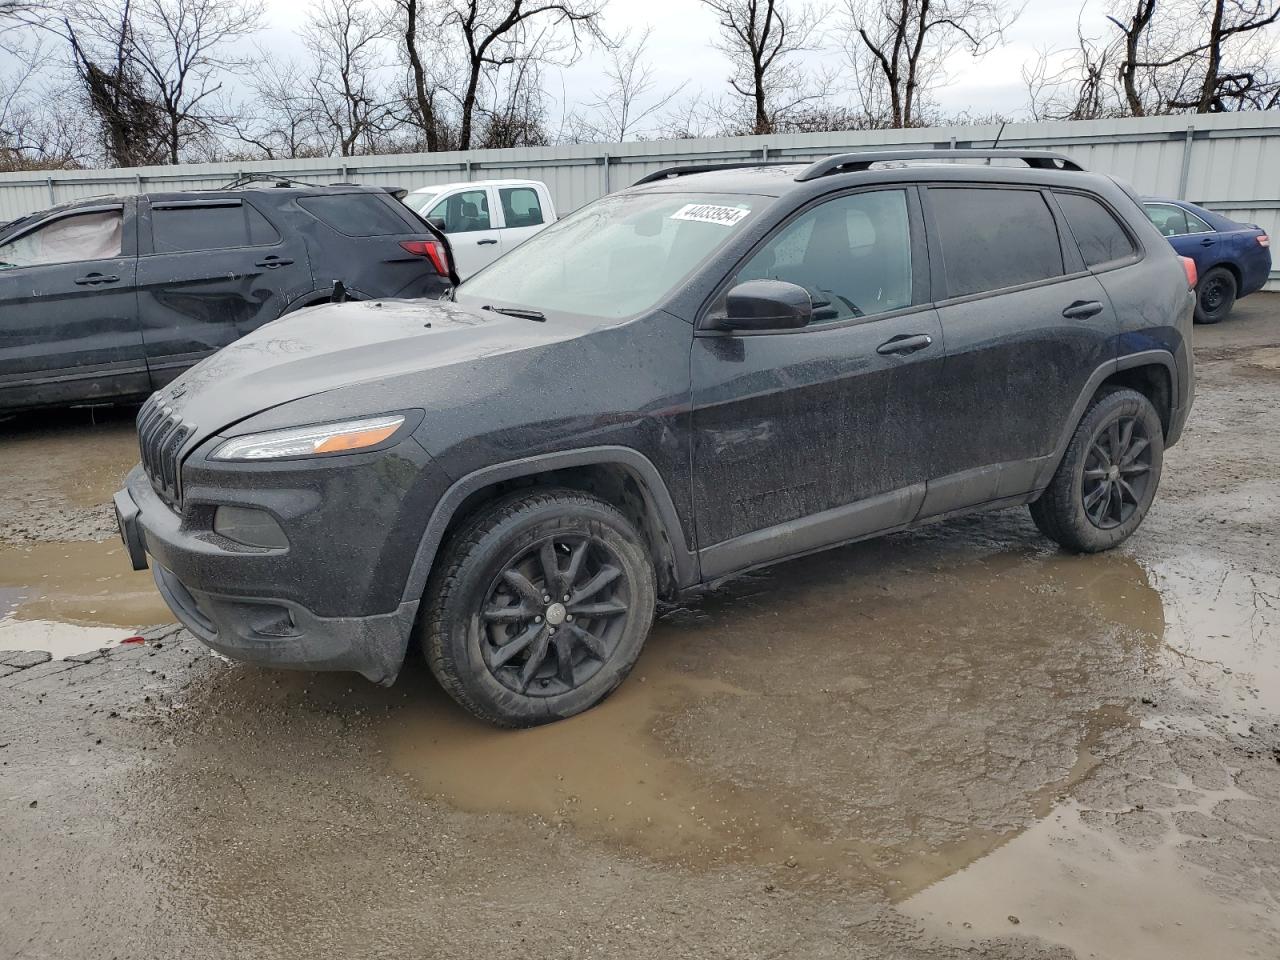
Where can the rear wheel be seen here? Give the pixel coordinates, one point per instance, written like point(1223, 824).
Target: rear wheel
point(1215, 295)
point(539, 609)
point(1107, 478)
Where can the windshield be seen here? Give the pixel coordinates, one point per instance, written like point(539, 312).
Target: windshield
point(613, 258)
point(420, 201)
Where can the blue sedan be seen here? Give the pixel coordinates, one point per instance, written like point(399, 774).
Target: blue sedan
point(1232, 259)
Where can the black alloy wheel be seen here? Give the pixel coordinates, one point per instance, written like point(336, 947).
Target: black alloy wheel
point(554, 615)
point(1117, 471)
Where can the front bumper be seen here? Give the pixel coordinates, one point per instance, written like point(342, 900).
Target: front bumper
point(275, 632)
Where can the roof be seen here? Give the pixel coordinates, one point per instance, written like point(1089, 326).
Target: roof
point(441, 187)
point(778, 178)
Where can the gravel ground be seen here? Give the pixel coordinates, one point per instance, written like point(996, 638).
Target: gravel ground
point(940, 744)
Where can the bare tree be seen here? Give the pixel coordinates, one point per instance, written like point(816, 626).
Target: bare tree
point(424, 90)
point(1228, 86)
point(898, 47)
point(183, 48)
point(281, 119)
point(495, 34)
point(346, 40)
point(102, 48)
point(627, 104)
point(762, 39)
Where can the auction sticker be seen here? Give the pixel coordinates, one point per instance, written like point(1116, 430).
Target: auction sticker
point(710, 213)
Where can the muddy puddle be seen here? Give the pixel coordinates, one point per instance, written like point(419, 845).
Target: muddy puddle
point(718, 751)
point(70, 598)
point(1068, 883)
point(66, 585)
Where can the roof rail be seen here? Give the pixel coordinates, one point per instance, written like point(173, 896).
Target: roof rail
point(683, 171)
point(278, 180)
point(854, 162)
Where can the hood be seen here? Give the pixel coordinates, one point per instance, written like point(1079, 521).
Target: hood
point(338, 345)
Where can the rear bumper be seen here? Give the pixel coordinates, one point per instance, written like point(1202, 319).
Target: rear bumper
point(275, 632)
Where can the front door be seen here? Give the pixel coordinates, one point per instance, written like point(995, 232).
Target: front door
point(811, 437)
point(210, 272)
point(69, 330)
point(472, 227)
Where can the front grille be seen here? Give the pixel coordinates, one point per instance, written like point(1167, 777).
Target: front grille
point(161, 435)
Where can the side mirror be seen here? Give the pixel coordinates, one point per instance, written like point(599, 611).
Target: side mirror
point(766, 305)
point(437, 222)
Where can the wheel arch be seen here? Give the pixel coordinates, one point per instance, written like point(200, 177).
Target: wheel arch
point(621, 476)
point(1231, 268)
point(1153, 373)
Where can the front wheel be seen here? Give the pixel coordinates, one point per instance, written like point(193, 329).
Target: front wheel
point(1107, 478)
point(539, 608)
point(1215, 295)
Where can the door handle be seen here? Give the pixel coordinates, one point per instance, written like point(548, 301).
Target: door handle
point(93, 279)
point(1207, 242)
point(272, 262)
point(1082, 310)
point(905, 343)
point(485, 243)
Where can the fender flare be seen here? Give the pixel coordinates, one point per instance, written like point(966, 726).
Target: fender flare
point(1144, 358)
point(650, 480)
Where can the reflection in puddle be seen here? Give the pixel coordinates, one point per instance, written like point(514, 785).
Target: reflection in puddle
point(71, 598)
point(1224, 628)
point(1068, 883)
point(828, 666)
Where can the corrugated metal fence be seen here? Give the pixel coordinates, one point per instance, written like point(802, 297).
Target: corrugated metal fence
point(1229, 163)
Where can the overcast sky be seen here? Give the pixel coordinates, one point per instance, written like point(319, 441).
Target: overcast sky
point(681, 49)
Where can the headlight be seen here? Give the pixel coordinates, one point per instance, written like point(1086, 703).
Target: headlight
point(309, 441)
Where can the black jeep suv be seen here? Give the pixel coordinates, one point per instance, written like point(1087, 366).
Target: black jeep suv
point(108, 299)
point(710, 371)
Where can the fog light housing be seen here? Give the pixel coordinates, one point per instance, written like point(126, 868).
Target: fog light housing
point(250, 527)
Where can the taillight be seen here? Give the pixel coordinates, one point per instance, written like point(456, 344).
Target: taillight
point(1189, 265)
point(433, 250)
point(1264, 241)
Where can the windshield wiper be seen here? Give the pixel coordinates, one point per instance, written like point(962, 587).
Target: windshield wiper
point(518, 312)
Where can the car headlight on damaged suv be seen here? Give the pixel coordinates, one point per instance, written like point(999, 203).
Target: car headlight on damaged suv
point(325, 438)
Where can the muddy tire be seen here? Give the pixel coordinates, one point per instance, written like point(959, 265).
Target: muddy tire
point(1215, 295)
point(538, 607)
point(1108, 477)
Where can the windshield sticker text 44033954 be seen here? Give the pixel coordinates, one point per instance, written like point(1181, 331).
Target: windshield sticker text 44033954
point(710, 213)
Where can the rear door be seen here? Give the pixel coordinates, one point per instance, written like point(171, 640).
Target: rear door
point(69, 330)
point(210, 271)
point(1026, 325)
point(522, 214)
point(472, 227)
point(1188, 234)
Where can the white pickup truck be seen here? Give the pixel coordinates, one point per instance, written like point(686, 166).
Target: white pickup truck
point(485, 218)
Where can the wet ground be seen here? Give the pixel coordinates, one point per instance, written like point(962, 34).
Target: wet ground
point(945, 743)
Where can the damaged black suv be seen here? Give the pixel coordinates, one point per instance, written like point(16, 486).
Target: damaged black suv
point(713, 370)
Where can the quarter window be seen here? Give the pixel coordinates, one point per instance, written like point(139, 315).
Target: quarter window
point(185, 227)
point(994, 238)
point(360, 214)
point(464, 212)
point(853, 255)
point(1100, 237)
point(1175, 221)
point(520, 206)
point(82, 236)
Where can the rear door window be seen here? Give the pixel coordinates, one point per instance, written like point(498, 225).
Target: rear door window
point(1099, 235)
point(853, 255)
point(1174, 221)
point(184, 227)
point(994, 238)
point(360, 214)
point(79, 237)
point(464, 212)
point(520, 206)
